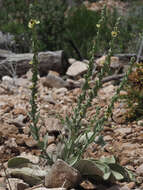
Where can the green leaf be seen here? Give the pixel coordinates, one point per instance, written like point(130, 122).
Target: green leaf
point(91, 168)
point(107, 175)
point(40, 144)
point(131, 175)
point(45, 140)
point(117, 175)
point(119, 169)
point(83, 138)
point(108, 160)
point(33, 132)
point(17, 161)
point(73, 160)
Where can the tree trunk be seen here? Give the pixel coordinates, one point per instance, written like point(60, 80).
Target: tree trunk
point(18, 64)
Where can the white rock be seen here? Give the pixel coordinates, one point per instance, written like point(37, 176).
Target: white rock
point(114, 61)
point(7, 80)
point(140, 122)
point(71, 60)
point(77, 69)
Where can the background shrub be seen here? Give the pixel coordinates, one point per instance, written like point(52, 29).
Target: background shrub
point(14, 18)
point(71, 29)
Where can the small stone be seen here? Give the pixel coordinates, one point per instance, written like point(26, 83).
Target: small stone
point(30, 142)
point(51, 149)
point(18, 111)
point(7, 80)
point(29, 74)
point(131, 185)
point(125, 187)
point(140, 122)
point(114, 62)
point(49, 98)
point(86, 61)
point(53, 125)
point(123, 93)
point(124, 161)
point(62, 175)
point(17, 184)
point(61, 91)
point(124, 131)
point(77, 69)
point(54, 81)
point(71, 60)
point(11, 143)
point(2, 183)
point(22, 82)
point(108, 138)
point(139, 170)
point(87, 185)
point(53, 73)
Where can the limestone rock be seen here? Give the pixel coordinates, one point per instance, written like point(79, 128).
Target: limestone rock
point(71, 61)
point(62, 175)
point(114, 62)
point(76, 69)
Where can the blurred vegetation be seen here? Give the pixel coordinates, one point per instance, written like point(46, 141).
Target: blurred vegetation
point(14, 18)
point(71, 29)
point(134, 96)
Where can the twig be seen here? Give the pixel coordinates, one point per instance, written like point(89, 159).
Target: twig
point(6, 176)
point(128, 56)
point(113, 77)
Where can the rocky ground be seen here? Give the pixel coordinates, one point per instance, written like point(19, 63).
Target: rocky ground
point(57, 96)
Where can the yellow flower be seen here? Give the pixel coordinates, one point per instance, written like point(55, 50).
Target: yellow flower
point(32, 23)
point(31, 62)
point(30, 87)
point(98, 25)
point(114, 34)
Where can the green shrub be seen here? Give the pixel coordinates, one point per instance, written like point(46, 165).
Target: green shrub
point(81, 29)
point(79, 138)
point(69, 29)
point(51, 30)
point(14, 18)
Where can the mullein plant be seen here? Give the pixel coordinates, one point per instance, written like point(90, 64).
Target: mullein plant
point(80, 138)
point(34, 112)
point(75, 145)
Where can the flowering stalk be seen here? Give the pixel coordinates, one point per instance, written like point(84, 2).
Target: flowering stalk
point(34, 114)
point(72, 146)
